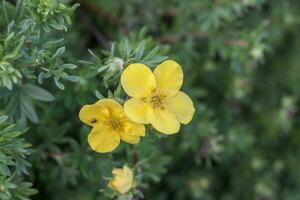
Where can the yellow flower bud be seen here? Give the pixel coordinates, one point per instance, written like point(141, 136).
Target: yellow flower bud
point(122, 180)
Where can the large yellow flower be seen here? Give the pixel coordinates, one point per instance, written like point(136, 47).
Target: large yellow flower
point(110, 125)
point(122, 180)
point(156, 98)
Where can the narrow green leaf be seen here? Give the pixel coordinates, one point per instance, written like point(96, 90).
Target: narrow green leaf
point(151, 54)
point(99, 95)
point(8, 39)
point(28, 110)
point(69, 66)
point(140, 50)
point(37, 93)
point(59, 52)
point(3, 119)
point(58, 84)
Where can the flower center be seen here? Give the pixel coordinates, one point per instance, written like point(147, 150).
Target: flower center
point(156, 99)
point(114, 123)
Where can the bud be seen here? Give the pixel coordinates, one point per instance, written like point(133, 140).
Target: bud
point(114, 69)
point(46, 8)
point(122, 180)
point(115, 64)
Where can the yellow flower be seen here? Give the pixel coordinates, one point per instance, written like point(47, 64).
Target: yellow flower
point(110, 125)
point(122, 180)
point(156, 98)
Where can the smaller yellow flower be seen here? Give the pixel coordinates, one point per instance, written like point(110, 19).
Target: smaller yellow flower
point(110, 125)
point(122, 180)
point(156, 98)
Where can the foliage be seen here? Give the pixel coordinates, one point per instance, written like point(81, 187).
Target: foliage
point(13, 164)
point(240, 60)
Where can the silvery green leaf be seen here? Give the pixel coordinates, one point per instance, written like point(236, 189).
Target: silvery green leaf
point(43, 75)
point(28, 109)
point(20, 8)
point(113, 49)
point(10, 26)
point(156, 60)
point(71, 78)
point(7, 82)
point(37, 93)
point(118, 91)
point(102, 68)
point(3, 119)
point(58, 84)
point(151, 54)
point(53, 43)
point(69, 66)
point(140, 50)
point(84, 62)
point(110, 94)
point(59, 52)
point(127, 47)
point(5, 170)
point(99, 95)
point(98, 60)
point(8, 39)
point(57, 25)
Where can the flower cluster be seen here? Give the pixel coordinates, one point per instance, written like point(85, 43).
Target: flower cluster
point(154, 98)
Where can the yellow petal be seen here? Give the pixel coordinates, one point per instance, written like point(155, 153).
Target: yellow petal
point(169, 77)
point(138, 80)
point(164, 121)
point(137, 110)
point(132, 132)
point(182, 106)
point(91, 114)
point(135, 129)
point(130, 138)
point(110, 104)
point(95, 113)
point(103, 140)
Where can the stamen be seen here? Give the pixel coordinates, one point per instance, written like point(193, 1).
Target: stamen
point(114, 123)
point(157, 99)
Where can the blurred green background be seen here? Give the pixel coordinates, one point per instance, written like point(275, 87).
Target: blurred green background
point(241, 64)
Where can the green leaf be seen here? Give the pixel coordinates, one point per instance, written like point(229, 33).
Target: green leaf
point(113, 49)
point(58, 84)
point(69, 66)
point(43, 75)
point(99, 95)
point(3, 119)
point(5, 170)
point(127, 47)
point(59, 52)
point(8, 40)
point(151, 54)
point(98, 60)
point(28, 110)
point(140, 50)
point(71, 78)
point(37, 93)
